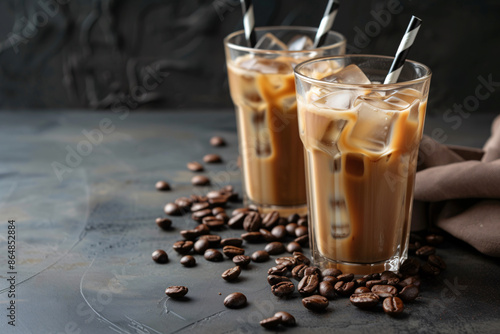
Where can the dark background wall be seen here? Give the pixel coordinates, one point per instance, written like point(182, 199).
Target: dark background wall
point(145, 54)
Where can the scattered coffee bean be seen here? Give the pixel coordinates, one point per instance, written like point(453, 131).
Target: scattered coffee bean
point(190, 234)
point(242, 260)
point(212, 158)
point(393, 306)
point(288, 261)
point(217, 210)
point(360, 281)
point(260, 256)
point(213, 223)
point(232, 251)
point(425, 251)
point(213, 239)
point(326, 290)
point(195, 166)
point(162, 185)
point(279, 232)
point(275, 248)
point(293, 218)
point(434, 239)
point(408, 281)
point(252, 237)
point(345, 277)
point(312, 270)
point(164, 223)
point(428, 270)
point(172, 209)
point(198, 199)
point(290, 229)
point(200, 246)
point(293, 247)
point(160, 256)
point(384, 291)
point(286, 318)
point(410, 267)
point(362, 289)
point(303, 240)
point(279, 269)
point(331, 279)
point(202, 229)
point(176, 291)
point(271, 323)
point(183, 246)
point(200, 206)
point(231, 274)
point(315, 303)
point(235, 300)
point(302, 222)
point(283, 289)
point(301, 230)
point(388, 275)
point(298, 271)
point(213, 255)
point(266, 235)
point(308, 285)
point(188, 261)
point(200, 180)
point(344, 288)
point(301, 258)
point(236, 242)
point(236, 221)
point(331, 272)
point(275, 279)
point(217, 141)
point(364, 300)
point(252, 222)
point(437, 261)
point(409, 293)
point(270, 220)
point(199, 215)
point(372, 283)
point(240, 210)
point(184, 203)
point(222, 216)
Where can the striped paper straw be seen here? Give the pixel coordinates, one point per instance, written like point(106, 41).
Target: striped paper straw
point(403, 50)
point(249, 22)
point(326, 23)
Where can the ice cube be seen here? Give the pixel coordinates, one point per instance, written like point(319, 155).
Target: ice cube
point(299, 43)
point(340, 100)
point(270, 42)
point(350, 74)
point(266, 66)
point(407, 99)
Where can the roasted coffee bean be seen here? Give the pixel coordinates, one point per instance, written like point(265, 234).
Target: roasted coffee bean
point(293, 247)
point(164, 223)
point(240, 210)
point(364, 300)
point(279, 232)
point(213, 255)
point(372, 277)
point(301, 230)
point(410, 267)
point(235, 300)
point(362, 289)
point(217, 210)
point(212, 158)
point(315, 303)
point(298, 271)
point(326, 290)
point(213, 239)
point(183, 246)
point(232, 251)
point(195, 166)
point(372, 283)
point(308, 285)
point(176, 291)
point(331, 272)
point(162, 185)
point(275, 248)
point(198, 199)
point(412, 280)
point(331, 279)
point(412, 248)
point(409, 293)
point(252, 237)
point(290, 229)
point(286, 318)
point(428, 270)
point(236, 242)
point(217, 141)
point(260, 256)
point(236, 221)
point(384, 291)
point(172, 209)
point(190, 234)
point(393, 306)
point(188, 261)
point(231, 274)
point(275, 279)
point(293, 218)
point(345, 277)
point(199, 215)
point(270, 323)
point(200, 246)
point(252, 222)
point(283, 221)
point(312, 270)
point(271, 219)
point(222, 216)
point(301, 258)
point(200, 206)
point(279, 269)
point(388, 275)
point(213, 223)
point(160, 256)
point(267, 236)
point(202, 229)
point(283, 289)
point(437, 261)
point(434, 239)
point(220, 201)
point(343, 288)
point(360, 281)
point(213, 194)
point(200, 180)
point(241, 260)
point(425, 251)
point(184, 203)
point(302, 240)
point(288, 261)
point(302, 222)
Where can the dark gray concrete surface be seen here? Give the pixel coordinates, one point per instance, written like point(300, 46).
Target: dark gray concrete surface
point(84, 241)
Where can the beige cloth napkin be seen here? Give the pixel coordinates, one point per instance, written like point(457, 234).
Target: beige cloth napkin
point(461, 187)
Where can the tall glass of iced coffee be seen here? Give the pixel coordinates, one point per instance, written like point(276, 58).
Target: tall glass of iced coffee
point(262, 88)
point(361, 140)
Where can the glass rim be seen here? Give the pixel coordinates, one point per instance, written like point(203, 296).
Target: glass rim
point(284, 28)
point(380, 86)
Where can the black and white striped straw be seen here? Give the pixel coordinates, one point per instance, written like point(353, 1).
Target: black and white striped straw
point(326, 23)
point(249, 22)
point(403, 50)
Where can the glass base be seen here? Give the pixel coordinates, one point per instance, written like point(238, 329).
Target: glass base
point(284, 211)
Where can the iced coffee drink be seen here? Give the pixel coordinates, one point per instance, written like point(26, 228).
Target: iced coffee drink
point(361, 140)
point(262, 88)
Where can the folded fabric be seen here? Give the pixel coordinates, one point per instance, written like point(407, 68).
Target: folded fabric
point(460, 188)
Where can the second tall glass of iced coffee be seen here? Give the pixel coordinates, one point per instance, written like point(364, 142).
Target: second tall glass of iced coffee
point(262, 88)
